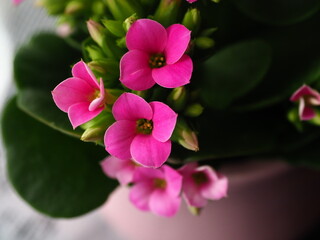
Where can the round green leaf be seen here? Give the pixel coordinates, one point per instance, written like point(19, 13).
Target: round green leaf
point(233, 72)
point(56, 174)
point(39, 67)
point(278, 12)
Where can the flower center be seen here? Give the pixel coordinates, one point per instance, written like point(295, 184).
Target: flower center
point(160, 183)
point(144, 126)
point(157, 60)
point(199, 178)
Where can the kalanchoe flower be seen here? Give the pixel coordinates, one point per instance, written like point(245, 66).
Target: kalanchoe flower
point(122, 170)
point(307, 98)
point(202, 183)
point(157, 190)
point(16, 2)
point(81, 96)
point(142, 130)
point(156, 55)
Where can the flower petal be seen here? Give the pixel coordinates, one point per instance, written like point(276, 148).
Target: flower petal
point(305, 112)
point(81, 70)
point(217, 186)
point(164, 120)
point(177, 43)
point(122, 170)
point(149, 152)
point(98, 102)
point(71, 91)
point(135, 72)
point(131, 107)
point(175, 75)
point(147, 174)
point(118, 138)
point(140, 194)
point(146, 35)
point(164, 205)
point(173, 179)
point(306, 90)
point(79, 113)
point(192, 194)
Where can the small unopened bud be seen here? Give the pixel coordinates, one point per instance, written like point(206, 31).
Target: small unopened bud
point(96, 31)
point(195, 211)
point(185, 136)
point(177, 98)
point(129, 21)
point(194, 110)
point(73, 7)
point(93, 134)
point(167, 12)
point(204, 42)
point(192, 19)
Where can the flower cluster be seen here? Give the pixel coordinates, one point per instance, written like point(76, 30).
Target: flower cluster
point(139, 140)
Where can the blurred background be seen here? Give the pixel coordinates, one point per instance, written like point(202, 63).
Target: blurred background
point(18, 221)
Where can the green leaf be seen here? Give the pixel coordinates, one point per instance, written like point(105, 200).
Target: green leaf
point(39, 67)
point(278, 12)
point(234, 71)
point(56, 174)
point(296, 61)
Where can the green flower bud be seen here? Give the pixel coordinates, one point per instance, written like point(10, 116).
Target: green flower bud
point(177, 98)
point(185, 136)
point(122, 9)
point(74, 7)
point(115, 27)
point(167, 12)
point(195, 211)
point(96, 31)
point(194, 110)
point(129, 21)
point(204, 42)
point(54, 7)
point(192, 19)
point(93, 134)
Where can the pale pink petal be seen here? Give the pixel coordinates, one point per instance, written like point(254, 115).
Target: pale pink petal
point(81, 70)
point(135, 72)
point(217, 186)
point(146, 35)
point(140, 194)
point(147, 174)
point(122, 170)
point(305, 112)
point(149, 152)
point(175, 75)
point(174, 181)
point(164, 205)
point(98, 102)
point(131, 107)
point(305, 90)
point(187, 169)
point(164, 120)
point(79, 113)
point(71, 91)
point(177, 43)
point(118, 138)
point(192, 193)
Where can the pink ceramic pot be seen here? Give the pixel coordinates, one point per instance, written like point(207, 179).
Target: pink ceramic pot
point(267, 201)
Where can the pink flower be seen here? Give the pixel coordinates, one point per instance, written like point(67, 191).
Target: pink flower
point(202, 183)
point(156, 55)
point(142, 130)
point(307, 98)
point(157, 190)
point(122, 170)
point(16, 2)
point(191, 1)
point(80, 96)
